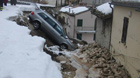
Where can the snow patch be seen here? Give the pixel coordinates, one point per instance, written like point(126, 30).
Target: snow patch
point(21, 55)
point(105, 8)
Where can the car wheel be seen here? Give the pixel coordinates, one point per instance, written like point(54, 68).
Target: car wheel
point(36, 25)
point(63, 46)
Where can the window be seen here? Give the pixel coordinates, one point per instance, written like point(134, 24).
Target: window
point(124, 31)
point(63, 18)
point(44, 16)
point(79, 36)
point(50, 21)
point(95, 26)
point(58, 29)
point(79, 22)
point(47, 19)
point(67, 21)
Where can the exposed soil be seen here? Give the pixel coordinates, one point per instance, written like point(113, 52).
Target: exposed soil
point(68, 71)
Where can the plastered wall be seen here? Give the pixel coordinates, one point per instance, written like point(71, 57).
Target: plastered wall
point(127, 54)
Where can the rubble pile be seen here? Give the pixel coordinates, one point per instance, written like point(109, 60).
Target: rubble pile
point(101, 61)
point(22, 20)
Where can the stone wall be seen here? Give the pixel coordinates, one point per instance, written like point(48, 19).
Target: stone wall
point(103, 32)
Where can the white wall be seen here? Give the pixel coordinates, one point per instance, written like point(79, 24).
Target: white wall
point(128, 54)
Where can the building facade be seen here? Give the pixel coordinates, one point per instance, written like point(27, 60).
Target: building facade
point(56, 2)
point(80, 25)
point(125, 38)
point(103, 24)
point(95, 2)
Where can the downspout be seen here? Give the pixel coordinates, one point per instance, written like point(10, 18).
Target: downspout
point(61, 3)
point(74, 28)
point(56, 4)
point(111, 27)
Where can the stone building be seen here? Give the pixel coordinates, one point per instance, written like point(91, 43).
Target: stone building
point(103, 24)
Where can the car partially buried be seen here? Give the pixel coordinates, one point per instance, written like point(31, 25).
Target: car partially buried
point(45, 22)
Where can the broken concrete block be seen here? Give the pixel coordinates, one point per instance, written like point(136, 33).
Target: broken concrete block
point(93, 73)
point(81, 73)
point(62, 58)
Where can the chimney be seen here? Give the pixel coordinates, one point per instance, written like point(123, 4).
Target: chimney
point(70, 3)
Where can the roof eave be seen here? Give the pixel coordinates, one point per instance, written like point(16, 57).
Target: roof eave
point(126, 4)
point(101, 15)
point(72, 14)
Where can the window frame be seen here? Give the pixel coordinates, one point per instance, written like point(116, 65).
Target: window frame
point(79, 34)
point(125, 29)
point(79, 22)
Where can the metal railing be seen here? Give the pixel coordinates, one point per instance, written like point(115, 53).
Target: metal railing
point(126, 0)
point(85, 28)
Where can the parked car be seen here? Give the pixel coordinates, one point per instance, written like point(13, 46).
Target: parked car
point(45, 22)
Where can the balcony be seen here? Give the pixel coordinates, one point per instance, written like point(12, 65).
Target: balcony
point(85, 29)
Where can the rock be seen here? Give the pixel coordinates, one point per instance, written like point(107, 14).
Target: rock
point(22, 20)
point(93, 73)
point(81, 73)
point(77, 63)
point(62, 58)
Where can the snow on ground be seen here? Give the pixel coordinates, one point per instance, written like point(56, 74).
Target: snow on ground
point(21, 55)
point(73, 10)
point(55, 50)
point(105, 8)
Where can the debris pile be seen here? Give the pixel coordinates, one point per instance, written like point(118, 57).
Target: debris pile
point(22, 20)
point(100, 60)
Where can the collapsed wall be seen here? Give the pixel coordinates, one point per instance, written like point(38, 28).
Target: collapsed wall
point(99, 63)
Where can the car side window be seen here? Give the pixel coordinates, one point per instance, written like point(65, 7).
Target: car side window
point(58, 29)
point(50, 21)
point(43, 15)
point(47, 19)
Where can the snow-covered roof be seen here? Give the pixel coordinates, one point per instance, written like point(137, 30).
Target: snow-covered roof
point(73, 10)
point(105, 8)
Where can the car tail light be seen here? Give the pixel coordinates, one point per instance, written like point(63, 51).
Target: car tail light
point(32, 13)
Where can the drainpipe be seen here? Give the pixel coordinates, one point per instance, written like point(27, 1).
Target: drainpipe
point(111, 27)
point(61, 3)
point(56, 4)
point(74, 28)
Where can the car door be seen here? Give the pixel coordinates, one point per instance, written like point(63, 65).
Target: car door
point(47, 24)
point(60, 34)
